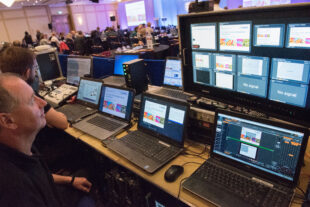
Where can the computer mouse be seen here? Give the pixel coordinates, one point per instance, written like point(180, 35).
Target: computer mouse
point(173, 172)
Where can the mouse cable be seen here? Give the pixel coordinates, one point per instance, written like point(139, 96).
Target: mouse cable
point(301, 190)
point(188, 154)
point(180, 187)
point(198, 153)
point(192, 163)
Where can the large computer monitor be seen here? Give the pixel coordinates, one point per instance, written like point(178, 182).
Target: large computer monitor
point(119, 60)
point(78, 66)
point(49, 67)
point(241, 69)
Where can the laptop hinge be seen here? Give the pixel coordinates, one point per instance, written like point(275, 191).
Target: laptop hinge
point(262, 182)
point(163, 143)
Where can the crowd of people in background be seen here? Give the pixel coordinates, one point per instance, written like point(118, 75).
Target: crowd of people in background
point(97, 41)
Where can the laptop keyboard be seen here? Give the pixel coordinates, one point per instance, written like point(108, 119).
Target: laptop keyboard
point(243, 187)
point(172, 93)
point(148, 146)
point(74, 111)
point(104, 123)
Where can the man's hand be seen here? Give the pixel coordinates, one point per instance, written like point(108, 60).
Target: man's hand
point(82, 184)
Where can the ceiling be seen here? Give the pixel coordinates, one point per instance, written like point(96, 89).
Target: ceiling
point(22, 3)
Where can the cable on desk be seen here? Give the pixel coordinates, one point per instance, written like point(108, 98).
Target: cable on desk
point(195, 155)
point(180, 186)
point(303, 192)
point(191, 162)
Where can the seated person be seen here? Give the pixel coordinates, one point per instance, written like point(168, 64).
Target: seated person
point(24, 178)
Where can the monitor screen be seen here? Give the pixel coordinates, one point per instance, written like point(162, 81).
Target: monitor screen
point(204, 36)
point(290, 70)
point(135, 13)
point(235, 36)
point(89, 91)
point(225, 62)
point(224, 80)
point(203, 68)
point(268, 35)
point(76, 68)
point(256, 86)
point(251, 3)
point(253, 65)
point(173, 73)
point(119, 60)
point(288, 92)
point(263, 146)
point(298, 36)
point(49, 66)
point(164, 117)
point(116, 102)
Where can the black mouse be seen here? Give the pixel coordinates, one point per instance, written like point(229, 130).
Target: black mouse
point(173, 172)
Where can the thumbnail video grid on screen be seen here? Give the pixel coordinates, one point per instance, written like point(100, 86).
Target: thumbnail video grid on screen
point(163, 117)
point(263, 146)
point(89, 91)
point(234, 68)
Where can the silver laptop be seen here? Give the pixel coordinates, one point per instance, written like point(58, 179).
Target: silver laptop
point(160, 134)
point(253, 162)
point(114, 113)
point(172, 83)
point(87, 100)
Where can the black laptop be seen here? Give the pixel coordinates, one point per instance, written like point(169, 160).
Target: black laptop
point(253, 162)
point(114, 113)
point(86, 102)
point(172, 83)
point(160, 134)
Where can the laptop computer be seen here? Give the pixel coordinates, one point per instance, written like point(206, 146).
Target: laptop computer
point(172, 83)
point(253, 162)
point(87, 100)
point(160, 135)
point(114, 113)
point(118, 79)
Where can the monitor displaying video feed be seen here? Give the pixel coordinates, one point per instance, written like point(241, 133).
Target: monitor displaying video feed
point(298, 36)
point(290, 70)
point(204, 36)
point(224, 80)
point(235, 36)
point(253, 65)
point(203, 68)
point(268, 35)
point(78, 67)
point(225, 62)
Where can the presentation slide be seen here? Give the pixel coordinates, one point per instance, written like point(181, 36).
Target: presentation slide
point(135, 13)
point(252, 66)
point(115, 101)
point(290, 71)
point(269, 35)
point(204, 36)
point(224, 63)
point(154, 114)
point(251, 3)
point(298, 36)
point(251, 136)
point(235, 36)
point(173, 73)
point(224, 80)
point(201, 60)
point(89, 91)
point(176, 115)
point(76, 68)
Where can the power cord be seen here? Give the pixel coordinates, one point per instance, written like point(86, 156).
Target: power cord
point(180, 186)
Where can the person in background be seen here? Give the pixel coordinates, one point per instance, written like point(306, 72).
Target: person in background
point(73, 33)
point(69, 41)
point(61, 36)
point(79, 42)
point(24, 178)
point(27, 40)
point(44, 40)
point(17, 43)
point(54, 40)
point(148, 29)
point(38, 36)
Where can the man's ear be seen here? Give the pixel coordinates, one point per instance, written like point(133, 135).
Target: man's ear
point(27, 74)
point(7, 121)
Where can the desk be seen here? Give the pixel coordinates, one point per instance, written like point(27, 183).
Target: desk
point(157, 178)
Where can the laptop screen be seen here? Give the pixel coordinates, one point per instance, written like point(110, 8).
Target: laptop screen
point(116, 102)
point(163, 117)
point(119, 60)
point(76, 68)
point(89, 91)
point(266, 147)
point(173, 73)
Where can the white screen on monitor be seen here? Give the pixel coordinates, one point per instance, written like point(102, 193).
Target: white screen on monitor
point(252, 66)
point(135, 13)
point(290, 71)
point(202, 61)
point(76, 68)
point(270, 36)
point(250, 3)
point(224, 63)
point(204, 36)
point(299, 36)
point(235, 36)
point(224, 80)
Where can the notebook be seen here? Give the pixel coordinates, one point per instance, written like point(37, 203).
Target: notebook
point(172, 83)
point(114, 113)
point(87, 100)
point(118, 79)
point(160, 135)
point(253, 162)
